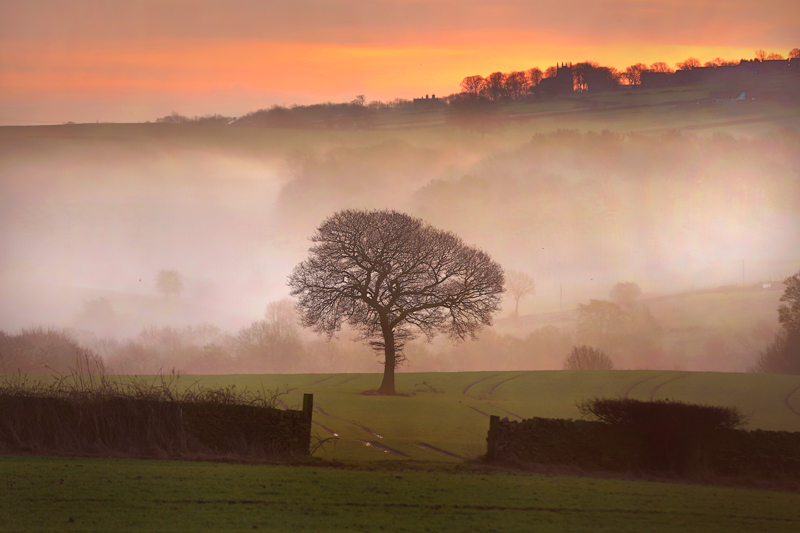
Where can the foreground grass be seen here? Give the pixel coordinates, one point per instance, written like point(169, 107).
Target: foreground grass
point(64, 494)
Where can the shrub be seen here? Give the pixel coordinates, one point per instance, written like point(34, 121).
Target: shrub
point(674, 433)
point(91, 413)
point(782, 356)
point(587, 358)
point(42, 351)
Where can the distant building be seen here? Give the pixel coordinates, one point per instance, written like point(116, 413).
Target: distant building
point(561, 83)
point(432, 100)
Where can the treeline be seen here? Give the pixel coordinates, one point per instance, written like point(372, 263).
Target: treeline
point(357, 113)
point(505, 86)
point(496, 87)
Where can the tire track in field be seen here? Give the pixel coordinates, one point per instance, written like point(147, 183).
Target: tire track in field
point(491, 391)
point(476, 382)
point(509, 412)
point(381, 447)
point(474, 409)
point(652, 394)
point(627, 392)
point(365, 428)
point(348, 380)
point(786, 401)
point(426, 446)
point(329, 430)
point(320, 381)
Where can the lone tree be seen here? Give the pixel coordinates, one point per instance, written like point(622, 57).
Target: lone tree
point(169, 283)
point(519, 285)
point(625, 294)
point(782, 356)
point(392, 276)
point(587, 358)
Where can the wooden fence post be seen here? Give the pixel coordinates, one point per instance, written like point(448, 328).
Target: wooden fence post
point(308, 411)
point(491, 440)
point(308, 405)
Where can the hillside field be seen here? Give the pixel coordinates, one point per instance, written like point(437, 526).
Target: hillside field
point(445, 416)
point(402, 465)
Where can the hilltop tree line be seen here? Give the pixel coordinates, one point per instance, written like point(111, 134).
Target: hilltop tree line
point(496, 87)
point(500, 86)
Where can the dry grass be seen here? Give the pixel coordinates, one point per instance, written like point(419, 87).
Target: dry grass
point(87, 412)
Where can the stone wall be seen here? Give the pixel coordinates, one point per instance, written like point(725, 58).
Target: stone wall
point(600, 446)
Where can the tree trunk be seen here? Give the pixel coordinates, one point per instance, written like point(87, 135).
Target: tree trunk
point(387, 386)
point(516, 307)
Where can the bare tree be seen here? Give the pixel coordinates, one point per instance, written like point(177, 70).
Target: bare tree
point(472, 85)
point(660, 66)
point(587, 358)
point(551, 72)
point(624, 294)
point(719, 62)
point(633, 74)
point(794, 53)
point(761, 55)
point(535, 76)
point(789, 315)
point(519, 285)
point(392, 276)
point(516, 84)
point(774, 55)
point(169, 283)
point(495, 86)
point(688, 64)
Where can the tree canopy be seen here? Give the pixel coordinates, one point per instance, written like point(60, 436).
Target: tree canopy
point(391, 277)
point(169, 283)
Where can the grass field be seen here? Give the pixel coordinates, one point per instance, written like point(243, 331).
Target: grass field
point(452, 425)
point(69, 494)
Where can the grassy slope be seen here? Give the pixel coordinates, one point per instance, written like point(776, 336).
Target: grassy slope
point(65, 494)
point(457, 422)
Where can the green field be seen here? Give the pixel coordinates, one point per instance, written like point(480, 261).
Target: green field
point(70, 494)
point(452, 425)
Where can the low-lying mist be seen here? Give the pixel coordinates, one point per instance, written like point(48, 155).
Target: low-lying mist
point(86, 225)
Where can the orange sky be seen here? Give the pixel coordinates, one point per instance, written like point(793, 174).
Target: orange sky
point(88, 60)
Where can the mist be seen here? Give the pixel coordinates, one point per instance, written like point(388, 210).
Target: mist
point(96, 216)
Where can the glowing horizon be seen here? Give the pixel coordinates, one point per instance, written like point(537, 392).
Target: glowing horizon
point(135, 61)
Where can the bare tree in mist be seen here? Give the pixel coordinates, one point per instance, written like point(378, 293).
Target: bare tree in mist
point(391, 276)
point(789, 315)
point(519, 285)
point(782, 356)
point(97, 313)
point(169, 283)
point(273, 344)
point(625, 294)
point(587, 358)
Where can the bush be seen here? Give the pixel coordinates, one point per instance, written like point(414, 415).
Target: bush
point(92, 414)
point(43, 351)
point(587, 358)
point(782, 356)
point(675, 433)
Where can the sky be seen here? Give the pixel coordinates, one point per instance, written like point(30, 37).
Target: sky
point(132, 61)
